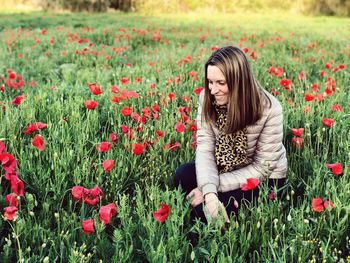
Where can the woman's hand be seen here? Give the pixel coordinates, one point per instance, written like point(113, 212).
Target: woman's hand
point(197, 197)
point(212, 204)
point(213, 207)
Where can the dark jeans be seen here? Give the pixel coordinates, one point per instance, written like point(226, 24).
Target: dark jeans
point(185, 176)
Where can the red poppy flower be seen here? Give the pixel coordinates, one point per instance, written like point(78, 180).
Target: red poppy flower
point(130, 94)
point(108, 165)
point(251, 184)
point(337, 107)
point(301, 75)
point(180, 127)
point(125, 129)
point(172, 96)
point(139, 128)
point(278, 72)
point(8, 175)
point(12, 75)
point(155, 116)
point(113, 137)
point(88, 226)
point(160, 134)
point(136, 116)
point(328, 91)
point(298, 142)
point(91, 104)
point(309, 97)
point(17, 186)
point(137, 149)
point(124, 81)
point(11, 199)
point(34, 127)
point(10, 212)
point(77, 192)
point(95, 89)
point(146, 112)
point(18, 100)
point(155, 107)
point(126, 111)
point(314, 87)
point(328, 204)
point(274, 92)
point(116, 99)
point(162, 214)
point(271, 195)
point(297, 131)
point(114, 89)
point(107, 212)
point(193, 74)
point(96, 191)
point(181, 110)
point(286, 83)
point(330, 83)
point(271, 70)
point(192, 128)
point(198, 90)
point(103, 147)
point(320, 97)
point(8, 162)
point(336, 168)
point(317, 204)
point(38, 142)
point(252, 55)
point(89, 198)
point(328, 122)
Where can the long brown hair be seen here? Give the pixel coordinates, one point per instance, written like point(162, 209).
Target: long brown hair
point(245, 95)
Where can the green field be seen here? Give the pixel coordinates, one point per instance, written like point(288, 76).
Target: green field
point(155, 66)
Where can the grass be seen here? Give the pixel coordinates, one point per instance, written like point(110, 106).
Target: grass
point(78, 49)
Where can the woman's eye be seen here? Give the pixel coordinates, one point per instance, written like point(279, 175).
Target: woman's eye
point(222, 83)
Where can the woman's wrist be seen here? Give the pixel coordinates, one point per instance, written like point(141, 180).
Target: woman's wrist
point(210, 196)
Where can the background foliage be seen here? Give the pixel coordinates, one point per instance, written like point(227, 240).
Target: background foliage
point(310, 7)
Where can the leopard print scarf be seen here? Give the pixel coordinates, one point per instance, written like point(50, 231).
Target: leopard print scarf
point(230, 149)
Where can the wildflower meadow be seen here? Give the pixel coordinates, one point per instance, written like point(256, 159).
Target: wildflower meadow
point(98, 110)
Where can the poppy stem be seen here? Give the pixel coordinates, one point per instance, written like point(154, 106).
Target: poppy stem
point(20, 257)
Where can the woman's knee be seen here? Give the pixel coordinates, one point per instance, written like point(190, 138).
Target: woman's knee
point(183, 173)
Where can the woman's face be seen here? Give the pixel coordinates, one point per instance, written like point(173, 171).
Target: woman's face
point(217, 85)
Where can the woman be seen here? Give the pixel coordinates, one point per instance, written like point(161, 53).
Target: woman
point(239, 136)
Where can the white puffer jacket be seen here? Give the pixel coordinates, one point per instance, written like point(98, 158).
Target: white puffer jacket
point(265, 150)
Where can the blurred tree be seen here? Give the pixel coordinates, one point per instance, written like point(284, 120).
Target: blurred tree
point(123, 5)
point(326, 7)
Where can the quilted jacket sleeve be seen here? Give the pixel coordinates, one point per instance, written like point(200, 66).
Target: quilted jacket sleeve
point(269, 150)
point(206, 168)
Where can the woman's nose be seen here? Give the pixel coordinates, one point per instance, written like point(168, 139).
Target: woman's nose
point(213, 89)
